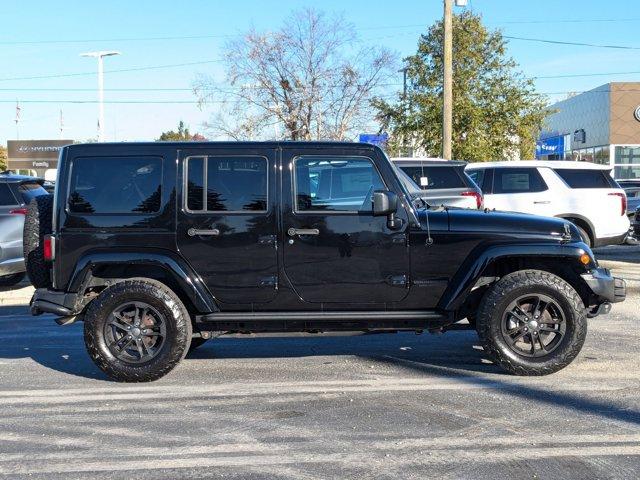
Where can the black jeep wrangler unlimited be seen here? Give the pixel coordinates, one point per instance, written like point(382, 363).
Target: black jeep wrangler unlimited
point(161, 246)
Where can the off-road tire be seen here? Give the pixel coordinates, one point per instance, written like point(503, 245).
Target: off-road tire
point(166, 302)
point(11, 280)
point(507, 289)
point(37, 224)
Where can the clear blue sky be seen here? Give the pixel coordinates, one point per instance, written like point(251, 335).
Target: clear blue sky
point(393, 24)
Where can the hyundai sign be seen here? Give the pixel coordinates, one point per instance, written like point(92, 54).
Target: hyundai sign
point(30, 154)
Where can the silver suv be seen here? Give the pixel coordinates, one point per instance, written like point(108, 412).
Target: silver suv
point(16, 191)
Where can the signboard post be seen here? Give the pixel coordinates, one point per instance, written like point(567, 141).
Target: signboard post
point(39, 155)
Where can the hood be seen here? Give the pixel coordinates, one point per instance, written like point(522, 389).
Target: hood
point(510, 223)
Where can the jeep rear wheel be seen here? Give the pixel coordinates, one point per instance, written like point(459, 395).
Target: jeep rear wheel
point(532, 323)
point(137, 330)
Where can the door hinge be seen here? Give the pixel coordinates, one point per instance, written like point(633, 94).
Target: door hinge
point(397, 280)
point(399, 239)
point(266, 239)
point(270, 281)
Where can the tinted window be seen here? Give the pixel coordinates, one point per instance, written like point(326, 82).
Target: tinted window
point(517, 180)
point(29, 191)
point(115, 185)
point(586, 178)
point(227, 184)
point(434, 177)
point(335, 183)
point(6, 196)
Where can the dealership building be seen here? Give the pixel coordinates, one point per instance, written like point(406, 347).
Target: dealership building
point(601, 125)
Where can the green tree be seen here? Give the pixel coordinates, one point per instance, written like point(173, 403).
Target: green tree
point(182, 135)
point(496, 111)
point(3, 158)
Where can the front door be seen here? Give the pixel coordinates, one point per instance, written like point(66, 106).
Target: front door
point(335, 250)
point(227, 222)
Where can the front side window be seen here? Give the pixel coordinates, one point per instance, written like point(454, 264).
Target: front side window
point(115, 185)
point(518, 180)
point(335, 184)
point(226, 184)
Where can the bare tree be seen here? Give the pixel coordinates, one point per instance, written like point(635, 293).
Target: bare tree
point(311, 79)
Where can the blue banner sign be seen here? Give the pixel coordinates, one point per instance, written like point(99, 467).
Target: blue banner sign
point(379, 140)
point(550, 146)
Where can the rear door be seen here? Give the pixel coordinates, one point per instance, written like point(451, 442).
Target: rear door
point(335, 250)
point(227, 221)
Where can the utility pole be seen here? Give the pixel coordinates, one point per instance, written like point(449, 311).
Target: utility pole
point(100, 55)
point(404, 101)
point(447, 89)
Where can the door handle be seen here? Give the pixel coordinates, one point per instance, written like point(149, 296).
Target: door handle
point(545, 202)
point(194, 232)
point(292, 232)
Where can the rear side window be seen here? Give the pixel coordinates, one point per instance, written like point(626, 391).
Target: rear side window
point(518, 180)
point(6, 196)
point(586, 178)
point(115, 185)
point(226, 184)
point(434, 177)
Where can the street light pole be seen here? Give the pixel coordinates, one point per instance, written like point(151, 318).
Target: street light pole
point(447, 92)
point(100, 55)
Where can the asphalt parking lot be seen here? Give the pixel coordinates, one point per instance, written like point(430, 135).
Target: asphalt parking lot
point(368, 406)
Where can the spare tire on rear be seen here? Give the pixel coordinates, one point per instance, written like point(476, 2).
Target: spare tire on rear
point(37, 224)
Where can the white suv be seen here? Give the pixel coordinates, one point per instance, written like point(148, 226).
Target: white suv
point(584, 193)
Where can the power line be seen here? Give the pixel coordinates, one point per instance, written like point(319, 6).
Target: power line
point(134, 69)
point(580, 44)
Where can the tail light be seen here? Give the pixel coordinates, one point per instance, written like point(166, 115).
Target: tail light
point(18, 211)
point(623, 202)
point(48, 247)
point(473, 193)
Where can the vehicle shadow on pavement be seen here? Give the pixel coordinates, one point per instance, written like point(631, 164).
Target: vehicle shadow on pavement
point(455, 357)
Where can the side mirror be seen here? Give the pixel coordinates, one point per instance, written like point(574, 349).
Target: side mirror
point(384, 203)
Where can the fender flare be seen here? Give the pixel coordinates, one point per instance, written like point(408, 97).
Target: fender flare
point(191, 283)
point(483, 256)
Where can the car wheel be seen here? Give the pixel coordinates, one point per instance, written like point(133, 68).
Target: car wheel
point(37, 224)
point(532, 323)
point(137, 330)
point(11, 280)
point(585, 235)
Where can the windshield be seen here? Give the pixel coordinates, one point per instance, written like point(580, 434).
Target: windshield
point(407, 183)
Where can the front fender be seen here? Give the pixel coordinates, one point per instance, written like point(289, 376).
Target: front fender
point(190, 283)
point(483, 256)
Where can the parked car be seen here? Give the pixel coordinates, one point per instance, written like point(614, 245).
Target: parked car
point(583, 193)
point(442, 182)
point(184, 242)
point(629, 183)
point(16, 191)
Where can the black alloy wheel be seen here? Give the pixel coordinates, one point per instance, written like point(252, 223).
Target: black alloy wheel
point(135, 332)
point(533, 325)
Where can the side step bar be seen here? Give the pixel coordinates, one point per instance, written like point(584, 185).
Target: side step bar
point(313, 320)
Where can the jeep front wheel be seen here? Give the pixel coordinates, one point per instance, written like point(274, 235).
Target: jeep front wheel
point(532, 323)
point(137, 330)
